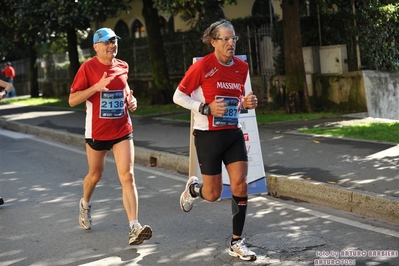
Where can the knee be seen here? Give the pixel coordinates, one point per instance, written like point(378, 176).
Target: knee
point(94, 177)
point(212, 197)
point(127, 179)
point(239, 188)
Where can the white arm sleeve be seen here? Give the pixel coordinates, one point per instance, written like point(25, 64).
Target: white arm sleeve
point(186, 101)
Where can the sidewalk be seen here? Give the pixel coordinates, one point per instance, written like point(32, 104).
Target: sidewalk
point(352, 175)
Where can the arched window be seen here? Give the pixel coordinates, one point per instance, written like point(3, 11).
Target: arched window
point(138, 29)
point(122, 30)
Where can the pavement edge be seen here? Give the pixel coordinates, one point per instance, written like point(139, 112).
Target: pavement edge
point(360, 202)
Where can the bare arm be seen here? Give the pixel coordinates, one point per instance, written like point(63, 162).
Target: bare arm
point(7, 88)
point(80, 96)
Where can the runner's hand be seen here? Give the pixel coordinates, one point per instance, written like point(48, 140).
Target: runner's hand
point(250, 101)
point(218, 107)
point(131, 102)
point(2, 94)
point(104, 81)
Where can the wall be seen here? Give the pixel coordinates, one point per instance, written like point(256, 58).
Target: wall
point(345, 92)
point(382, 94)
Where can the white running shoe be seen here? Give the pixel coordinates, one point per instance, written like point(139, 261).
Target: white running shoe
point(239, 249)
point(84, 216)
point(139, 233)
point(186, 200)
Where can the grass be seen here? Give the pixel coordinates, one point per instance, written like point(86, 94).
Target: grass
point(369, 131)
point(144, 105)
point(264, 114)
point(58, 102)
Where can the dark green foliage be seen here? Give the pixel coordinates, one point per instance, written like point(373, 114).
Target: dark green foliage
point(377, 29)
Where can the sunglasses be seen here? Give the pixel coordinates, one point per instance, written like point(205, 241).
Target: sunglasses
point(108, 42)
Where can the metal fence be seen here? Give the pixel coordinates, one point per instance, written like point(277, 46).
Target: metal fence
point(256, 44)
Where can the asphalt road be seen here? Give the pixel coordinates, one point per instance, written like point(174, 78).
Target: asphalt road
point(41, 180)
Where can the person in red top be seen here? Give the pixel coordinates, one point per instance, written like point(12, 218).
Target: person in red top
point(101, 82)
point(213, 90)
point(8, 73)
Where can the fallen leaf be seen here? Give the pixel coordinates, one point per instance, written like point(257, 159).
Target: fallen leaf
point(332, 182)
point(316, 141)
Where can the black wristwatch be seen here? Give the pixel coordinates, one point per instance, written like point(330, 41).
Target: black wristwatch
point(205, 110)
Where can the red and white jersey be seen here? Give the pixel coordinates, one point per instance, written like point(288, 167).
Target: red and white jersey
point(107, 116)
point(208, 79)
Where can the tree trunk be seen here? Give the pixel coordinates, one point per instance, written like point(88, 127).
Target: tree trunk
point(163, 88)
point(296, 85)
point(33, 72)
point(73, 54)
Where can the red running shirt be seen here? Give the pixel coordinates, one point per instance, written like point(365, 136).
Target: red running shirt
point(107, 116)
point(207, 79)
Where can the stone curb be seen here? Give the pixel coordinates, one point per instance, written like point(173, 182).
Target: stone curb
point(361, 202)
point(364, 203)
point(142, 155)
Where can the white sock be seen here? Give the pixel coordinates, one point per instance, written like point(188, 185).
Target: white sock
point(133, 223)
point(85, 204)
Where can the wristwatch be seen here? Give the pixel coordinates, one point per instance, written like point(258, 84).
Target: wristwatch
point(205, 110)
point(5, 92)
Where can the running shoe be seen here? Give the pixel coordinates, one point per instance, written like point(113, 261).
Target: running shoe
point(139, 233)
point(84, 216)
point(186, 200)
point(239, 249)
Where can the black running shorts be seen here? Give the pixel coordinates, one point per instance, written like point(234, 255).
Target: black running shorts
point(100, 145)
point(215, 147)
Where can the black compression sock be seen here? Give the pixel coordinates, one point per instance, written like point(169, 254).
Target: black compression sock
point(234, 240)
point(195, 190)
point(239, 208)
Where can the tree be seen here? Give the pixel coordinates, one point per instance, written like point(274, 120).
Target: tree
point(22, 24)
point(296, 85)
point(163, 93)
point(65, 16)
point(34, 22)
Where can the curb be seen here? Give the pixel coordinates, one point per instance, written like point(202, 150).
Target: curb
point(360, 202)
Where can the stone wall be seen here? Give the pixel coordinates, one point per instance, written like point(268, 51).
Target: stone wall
point(382, 93)
point(344, 92)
